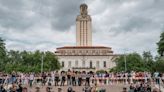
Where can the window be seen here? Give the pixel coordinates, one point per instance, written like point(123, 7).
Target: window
point(73, 51)
point(62, 63)
point(90, 64)
point(83, 63)
point(69, 64)
point(104, 63)
point(97, 64)
point(76, 63)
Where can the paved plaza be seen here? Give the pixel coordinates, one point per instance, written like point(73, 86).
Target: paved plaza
point(109, 88)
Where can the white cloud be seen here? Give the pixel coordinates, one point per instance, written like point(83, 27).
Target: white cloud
point(134, 25)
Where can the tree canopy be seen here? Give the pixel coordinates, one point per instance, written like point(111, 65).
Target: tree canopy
point(136, 62)
point(2, 53)
point(26, 61)
point(161, 44)
point(133, 61)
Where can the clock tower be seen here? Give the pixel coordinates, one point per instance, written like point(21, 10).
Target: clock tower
point(83, 27)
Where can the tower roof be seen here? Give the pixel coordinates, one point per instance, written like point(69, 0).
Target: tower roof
point(83, 5)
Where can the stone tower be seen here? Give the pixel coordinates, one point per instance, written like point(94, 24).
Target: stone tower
point(83, 27)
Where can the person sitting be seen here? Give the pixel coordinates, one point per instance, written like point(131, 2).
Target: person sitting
point(37, 89)
point(24, 89)
point(131, 89)
point(20, 89)
point(14, 88)
point(69, 89)
point(148, 88)
point(156, 90)
point(124, 89)
point(59, 89)
point(2, 89)
point(87, 89)
point(48, 89)
point(95, 88)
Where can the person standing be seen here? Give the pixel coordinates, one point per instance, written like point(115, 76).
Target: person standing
point(49, 79)
point(31, 79)
point(73, 79)
point(76, 77)
point(44, 78)
point(83, 77)
point(13, 78)
point(69, 77)
point(156, 75)
point(52, 77)
point(22, 78)
point(26, 79)
point(56, 78)
point(87, 83)
point(62, 78)
point(79, 78)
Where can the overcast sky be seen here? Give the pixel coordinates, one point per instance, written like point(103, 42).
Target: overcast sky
point(124, 25)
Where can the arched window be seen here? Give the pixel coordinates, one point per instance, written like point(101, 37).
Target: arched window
point(62, 64)
point(90, 64)
point(97, 64)
point(69, 64)
point(105, 64)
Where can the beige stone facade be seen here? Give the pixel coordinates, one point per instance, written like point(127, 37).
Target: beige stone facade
point(84, 56)
point(83, 27)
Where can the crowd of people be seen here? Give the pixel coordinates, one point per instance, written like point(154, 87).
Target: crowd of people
point(139, 87)
point(19, 82)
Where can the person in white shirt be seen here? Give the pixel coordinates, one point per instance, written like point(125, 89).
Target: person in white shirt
point(52, 77)
point(31, 79)
point(156, 75)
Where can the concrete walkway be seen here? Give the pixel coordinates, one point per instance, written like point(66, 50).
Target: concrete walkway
point(109, 88)
point(161, 87)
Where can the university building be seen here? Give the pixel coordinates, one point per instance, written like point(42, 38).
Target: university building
point(85, 56)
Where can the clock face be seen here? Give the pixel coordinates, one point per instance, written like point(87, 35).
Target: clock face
point(84, 16)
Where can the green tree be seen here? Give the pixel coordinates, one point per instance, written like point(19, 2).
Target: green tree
point(161, 44)
point(2, 53)
point(159, 64)
point(51, 60)
point(134, 62)
point(148, 61)
point(147, 56)
point(14, 57)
